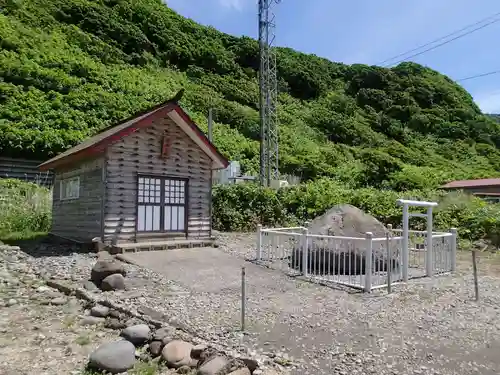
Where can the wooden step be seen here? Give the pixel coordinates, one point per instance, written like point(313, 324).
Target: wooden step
point(161, 245)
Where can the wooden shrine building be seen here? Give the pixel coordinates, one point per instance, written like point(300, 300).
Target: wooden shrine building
point(146, 180)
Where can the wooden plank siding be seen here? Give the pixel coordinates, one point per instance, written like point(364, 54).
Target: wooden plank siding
point(25, 170)
point(79, 219)
point(139, 153)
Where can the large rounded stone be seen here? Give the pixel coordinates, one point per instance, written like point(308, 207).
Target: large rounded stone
point(114, 357)
point(215, 366)
point(105, 268)
point(99, 311)
point(137, 334)
point(177, 353)
point(156, 347)
point(113, 282)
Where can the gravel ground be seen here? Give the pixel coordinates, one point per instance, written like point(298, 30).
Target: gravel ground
point(426, 327)
point(37, 337)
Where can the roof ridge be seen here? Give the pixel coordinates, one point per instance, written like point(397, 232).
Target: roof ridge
point(175, 99)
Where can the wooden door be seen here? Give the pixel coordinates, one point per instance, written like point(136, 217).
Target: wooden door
point(161, 204)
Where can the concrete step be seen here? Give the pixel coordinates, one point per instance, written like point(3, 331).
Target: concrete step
point(161, 245)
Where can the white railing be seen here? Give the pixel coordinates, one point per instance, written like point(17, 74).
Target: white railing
point(364, 263)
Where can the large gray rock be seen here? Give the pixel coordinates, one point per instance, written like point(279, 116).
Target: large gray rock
point(347, 221)
point(344, 257)
point(177, 353)
point(105, 268)
point(137, 334)
point(114, 357)
point(113, 282)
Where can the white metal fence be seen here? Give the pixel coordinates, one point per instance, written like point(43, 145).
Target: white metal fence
point(364, 263)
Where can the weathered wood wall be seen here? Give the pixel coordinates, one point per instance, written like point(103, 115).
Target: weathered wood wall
point(79, 219)
point(140, 153)
point(26, 170)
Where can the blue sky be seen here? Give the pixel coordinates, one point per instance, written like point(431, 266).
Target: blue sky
point(371, 31)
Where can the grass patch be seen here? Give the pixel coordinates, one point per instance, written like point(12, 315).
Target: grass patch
point(83, 340)
point(145, 368)
point(69, 322)
point(26, 210)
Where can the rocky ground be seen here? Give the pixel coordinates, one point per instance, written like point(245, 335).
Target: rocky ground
point(426, 327)
point(41, 329)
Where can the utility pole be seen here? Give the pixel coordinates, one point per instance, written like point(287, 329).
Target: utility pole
point(268, 101)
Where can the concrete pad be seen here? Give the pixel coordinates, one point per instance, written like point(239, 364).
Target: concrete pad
point(205, 269)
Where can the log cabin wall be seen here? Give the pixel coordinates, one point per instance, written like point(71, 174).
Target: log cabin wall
point(79, 218)
point(140, 154)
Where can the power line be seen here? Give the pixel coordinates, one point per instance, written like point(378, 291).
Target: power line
point(440, 39)
point(445, 42)
point(479, 76)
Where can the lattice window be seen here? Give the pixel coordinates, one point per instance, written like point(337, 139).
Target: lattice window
point(69, 188)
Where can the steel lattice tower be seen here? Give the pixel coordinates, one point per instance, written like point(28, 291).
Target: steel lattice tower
point(268, 85)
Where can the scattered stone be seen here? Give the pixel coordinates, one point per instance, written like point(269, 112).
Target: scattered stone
point(156, 347)
point(113, 282)
point(137, 334)
point(152, 313)
point(104, 255)
point(114, 323)
point(241, 371)
point(104, 268)
point(91, 321)
point(197, 351)
point(11, 302)
point(43, 289)
point(214, 366)
point(90, 286)
point(177, 353)
point(252, 364)
point(99, 311)
point(115, 314)
point(183, 370)
point(115, 357)
point(58, 301)
point(162, 333)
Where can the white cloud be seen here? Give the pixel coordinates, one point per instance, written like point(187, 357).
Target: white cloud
point(233, 4)
point(489, 102)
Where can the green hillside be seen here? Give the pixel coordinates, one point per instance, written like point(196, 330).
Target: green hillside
point(71, 67)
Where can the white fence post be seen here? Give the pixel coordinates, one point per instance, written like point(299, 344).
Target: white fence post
point(368, 262)
point(405, 254)
point(454, 240)
point(429, 264)
point(259, 241)
point(305, 251)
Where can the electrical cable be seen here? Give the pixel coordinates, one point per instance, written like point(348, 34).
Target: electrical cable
point(445, 42)
point(479, 76)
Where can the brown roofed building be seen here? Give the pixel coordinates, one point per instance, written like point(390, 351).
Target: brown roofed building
point(145, 180)
point(488, 188)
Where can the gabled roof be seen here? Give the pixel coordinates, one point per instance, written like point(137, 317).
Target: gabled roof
point(102, 140)
point(472, 183)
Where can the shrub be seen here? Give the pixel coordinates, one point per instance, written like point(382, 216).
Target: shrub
point(242, 207)
point(25, 207)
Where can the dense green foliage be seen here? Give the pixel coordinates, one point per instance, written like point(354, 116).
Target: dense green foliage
point(241, 207)
point(70, 67)
point(356, 134)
